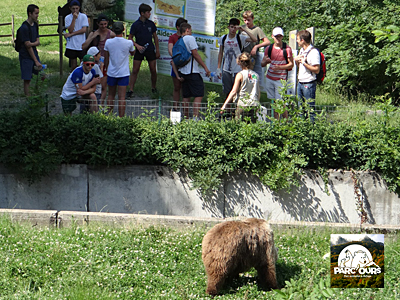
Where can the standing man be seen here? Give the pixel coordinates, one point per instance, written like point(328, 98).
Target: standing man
point(28, 55)
point(144, 31)
point(77, 24)
point(252, 48)
point(231, 46)
point(193, 85)
point(280, 57)
point(308, 62)
point(117, 52)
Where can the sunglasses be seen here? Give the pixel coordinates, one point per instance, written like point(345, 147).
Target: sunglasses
point(89, 64)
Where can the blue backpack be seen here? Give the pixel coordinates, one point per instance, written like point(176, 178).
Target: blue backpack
point(180, 55)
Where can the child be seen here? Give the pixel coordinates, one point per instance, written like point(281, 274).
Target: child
point(246, 89)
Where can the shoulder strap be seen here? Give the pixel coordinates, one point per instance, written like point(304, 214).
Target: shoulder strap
point(239, 42)
point(284, 46)
point(223, 40)
point(270, 50)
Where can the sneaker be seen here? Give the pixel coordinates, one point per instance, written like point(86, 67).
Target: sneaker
point(154, 91)
point(128, 94)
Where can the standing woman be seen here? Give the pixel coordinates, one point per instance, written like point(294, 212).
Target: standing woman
point(98, 38)
point(246, 88)
point(175, 77)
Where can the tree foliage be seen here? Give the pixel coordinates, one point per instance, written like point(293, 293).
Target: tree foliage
point(345, 32)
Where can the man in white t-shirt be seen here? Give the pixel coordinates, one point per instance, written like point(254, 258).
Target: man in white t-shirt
point(117, 51)
point(193, 85)
point(308, 62)
point(77, 24)
point(231, 46)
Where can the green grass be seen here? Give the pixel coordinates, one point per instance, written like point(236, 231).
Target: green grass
point(103, 262)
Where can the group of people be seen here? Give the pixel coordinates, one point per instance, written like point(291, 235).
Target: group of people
point(104, 57)
point(242, 67)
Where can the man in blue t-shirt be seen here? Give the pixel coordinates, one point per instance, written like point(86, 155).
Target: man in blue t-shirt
point(28, 55)
point(81, 85)
point(144, 31)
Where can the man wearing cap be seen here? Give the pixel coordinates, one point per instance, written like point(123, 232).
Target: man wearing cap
point(279, 56)
point(98, 69)
point(80, 84)
point(117, 51)
point(77, 24)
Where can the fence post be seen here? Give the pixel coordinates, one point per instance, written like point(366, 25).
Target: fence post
point(12, 29)
point(159, 110)
point(61, 42)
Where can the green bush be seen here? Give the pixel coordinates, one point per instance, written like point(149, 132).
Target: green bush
point(276, 152)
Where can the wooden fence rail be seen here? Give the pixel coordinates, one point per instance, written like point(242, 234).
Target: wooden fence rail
point(59, 34)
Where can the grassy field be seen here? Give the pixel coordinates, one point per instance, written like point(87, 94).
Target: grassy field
point(98, 262)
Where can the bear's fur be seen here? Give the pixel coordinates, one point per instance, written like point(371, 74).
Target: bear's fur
point(234, 247)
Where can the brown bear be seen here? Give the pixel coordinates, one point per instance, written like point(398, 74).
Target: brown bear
point(234, 247)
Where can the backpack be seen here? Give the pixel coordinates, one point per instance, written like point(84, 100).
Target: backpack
point(180, 54)
point(17, 42)
point(322, 66)
point(284, 47)
point(238, 40)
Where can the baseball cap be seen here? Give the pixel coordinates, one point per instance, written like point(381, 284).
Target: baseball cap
point(101, 17)
point(75, 2)
point(93, 51)
point(87, 58)
point(118, 27)
point(277, 31)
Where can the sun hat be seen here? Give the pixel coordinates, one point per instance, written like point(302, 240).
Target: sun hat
point(87, 58)
point(93, 51)
point(277, 31)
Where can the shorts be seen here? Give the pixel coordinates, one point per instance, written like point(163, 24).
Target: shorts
point(74, 53)
point(27, 68)
point(192, 86)
point(150, 55)
point(228, 79)
point(173, 73)
point(68, 106)
point(120, 81)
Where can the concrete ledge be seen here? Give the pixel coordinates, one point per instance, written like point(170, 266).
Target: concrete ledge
point(34, 217)
point(67, 218)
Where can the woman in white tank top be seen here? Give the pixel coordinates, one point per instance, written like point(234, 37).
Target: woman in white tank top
point(245, 90)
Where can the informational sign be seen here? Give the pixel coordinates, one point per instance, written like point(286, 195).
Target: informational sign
point(208, 50)
point(199, 13)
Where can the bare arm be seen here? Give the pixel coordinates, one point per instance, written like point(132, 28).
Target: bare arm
point(170, 46)
point(220, 56)
point(156, 44)
point(29, 45)
point(252, 37)
point(265, 43)
point(106, 59)
point(234, 91)
point(90, 38)
point(288, 66)
point(300, 59)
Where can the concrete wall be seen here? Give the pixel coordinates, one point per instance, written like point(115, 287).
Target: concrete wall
point(156, 190)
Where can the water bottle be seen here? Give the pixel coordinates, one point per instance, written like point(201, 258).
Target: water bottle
point(64, 32)
point(213, 74)
point(101, 59)
point(44, 66)
point(144, 47)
